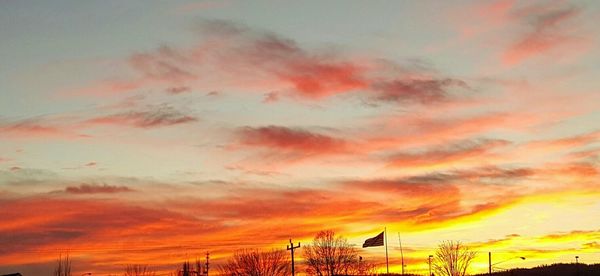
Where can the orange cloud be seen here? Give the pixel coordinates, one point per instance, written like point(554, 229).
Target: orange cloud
point(292, 140)
point(90, 218)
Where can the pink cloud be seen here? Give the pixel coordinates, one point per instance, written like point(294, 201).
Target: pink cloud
point(37, 128)
point(235, 56)
point(548, 30)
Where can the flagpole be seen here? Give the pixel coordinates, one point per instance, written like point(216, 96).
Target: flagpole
point(387, 263)
point(401, 254)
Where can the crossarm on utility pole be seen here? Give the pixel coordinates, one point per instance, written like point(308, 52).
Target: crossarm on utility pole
point(291, 248)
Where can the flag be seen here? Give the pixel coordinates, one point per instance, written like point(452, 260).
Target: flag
point(374, 241)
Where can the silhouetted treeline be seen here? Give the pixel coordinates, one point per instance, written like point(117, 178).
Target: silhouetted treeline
point(332, 255)
point(381, 274)
point(553, 270)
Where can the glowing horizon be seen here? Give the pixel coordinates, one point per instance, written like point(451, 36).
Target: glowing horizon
point(153, 132)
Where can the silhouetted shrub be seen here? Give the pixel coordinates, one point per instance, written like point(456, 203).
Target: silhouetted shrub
point(257, 263)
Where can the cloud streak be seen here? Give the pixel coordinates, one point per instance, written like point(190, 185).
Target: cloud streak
point(234, 56)
point(447, 154)
point(548, 30)
point(296, 140)
point(96, 189)
point(160, 116)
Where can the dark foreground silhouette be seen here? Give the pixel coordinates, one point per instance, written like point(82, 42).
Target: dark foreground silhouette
point(553, 270)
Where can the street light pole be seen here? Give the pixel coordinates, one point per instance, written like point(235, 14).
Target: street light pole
point(430, 256)
point(492, 265)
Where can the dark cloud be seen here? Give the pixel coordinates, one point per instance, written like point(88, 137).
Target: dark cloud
point(155, 116)
point(165, 64)
point(96, 189)
point(592, 245)
point(486, 174)
point(446, 153)
point(88, 221)
point(178, 90)
point(271, 97)
point(291, 139)
point(214, 93)
point(415, 90)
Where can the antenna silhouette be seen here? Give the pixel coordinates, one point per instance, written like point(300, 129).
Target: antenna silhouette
point(207, 257)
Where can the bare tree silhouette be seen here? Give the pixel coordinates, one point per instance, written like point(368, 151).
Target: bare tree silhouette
point(186, 270)
point(363, 268)
point(452, 258)
point(257, 263)
point(199, 267)
point(330, 255)
point(138, 270)
point(63, 266)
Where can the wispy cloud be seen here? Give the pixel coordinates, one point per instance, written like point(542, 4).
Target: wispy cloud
point(547, 30)
point(416, 90)
point(284, 139)
point(447, 154)
point(96, 189)
point(158, 116)
point(37, 128)
point(235, 55)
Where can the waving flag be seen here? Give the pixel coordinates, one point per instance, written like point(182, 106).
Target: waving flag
point(374, 241)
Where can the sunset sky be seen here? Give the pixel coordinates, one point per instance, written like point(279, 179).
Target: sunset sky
point(152, 132)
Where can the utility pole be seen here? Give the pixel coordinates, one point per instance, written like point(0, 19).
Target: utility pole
point(291, 248)
point(490, 262)
point(207, 257)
